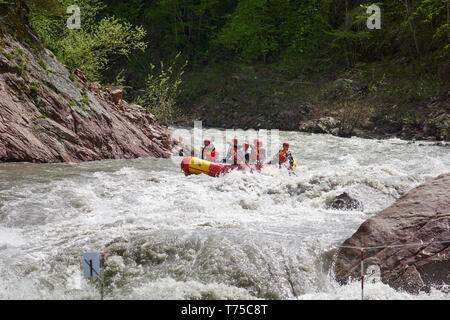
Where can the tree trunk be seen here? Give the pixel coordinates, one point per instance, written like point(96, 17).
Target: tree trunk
point(175, 23)
point(411, 25)
point(346, 29)
point(448, 18)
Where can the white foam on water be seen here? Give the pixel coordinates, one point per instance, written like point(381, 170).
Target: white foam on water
point(219, 231)
point(372, 291)
point(170, 289)
point(10, 238)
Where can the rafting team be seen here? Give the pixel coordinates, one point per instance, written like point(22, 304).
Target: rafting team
point(240, 154)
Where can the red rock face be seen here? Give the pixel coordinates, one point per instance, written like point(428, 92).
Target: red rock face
point(422, 215)
point(80, 75)
point(115, 94)
point(45, 116)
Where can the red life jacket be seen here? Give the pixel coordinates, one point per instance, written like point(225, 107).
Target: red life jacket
point(282, 155)
point(211, 156)
point(256, 154)
point(209, 152)
point(234, 152)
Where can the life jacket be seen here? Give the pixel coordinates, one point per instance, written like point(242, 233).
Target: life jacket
point(234, 153)
point(209, 153)
point(243, 156)
point(283, 156)
point(256, 154)
point(213, 155)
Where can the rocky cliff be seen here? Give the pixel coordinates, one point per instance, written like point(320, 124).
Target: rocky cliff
point(48, 114)
point(420, 220)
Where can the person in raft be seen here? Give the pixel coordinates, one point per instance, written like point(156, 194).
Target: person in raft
point(209, 151)
point(243, 155)
point(232, 154)
point(284, 156)
point(258, 154)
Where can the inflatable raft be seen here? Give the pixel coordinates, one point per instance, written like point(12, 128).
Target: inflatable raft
point(193, 165)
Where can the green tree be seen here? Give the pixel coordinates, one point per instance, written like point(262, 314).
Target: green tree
point(163, 89)
point(306, 35)
point(94, 51)
point(251, 30)
point(436, 15)
point(95, 46)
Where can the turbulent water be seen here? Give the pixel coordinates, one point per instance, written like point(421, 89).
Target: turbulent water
point(241, 236)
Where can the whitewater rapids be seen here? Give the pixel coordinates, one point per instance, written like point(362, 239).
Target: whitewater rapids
point(241, 236)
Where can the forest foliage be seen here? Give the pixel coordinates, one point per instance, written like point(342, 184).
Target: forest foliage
point(96, 45)
point(292, 33)
point(294, 37)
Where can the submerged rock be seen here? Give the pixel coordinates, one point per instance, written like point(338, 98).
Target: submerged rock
point(346, 202)
point(419, 222)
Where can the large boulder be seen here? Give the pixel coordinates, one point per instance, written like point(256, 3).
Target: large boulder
point(345, 201)
point(322, 125)
point(414, 236)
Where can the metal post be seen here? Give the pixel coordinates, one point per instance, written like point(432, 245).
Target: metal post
point(101, 278)
point(362, 273)
point(90, 268)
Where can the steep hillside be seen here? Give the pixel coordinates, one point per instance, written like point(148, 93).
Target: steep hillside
point(48, 114)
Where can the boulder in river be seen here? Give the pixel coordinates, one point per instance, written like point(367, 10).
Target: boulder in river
point(346, 202)
point(412, 237)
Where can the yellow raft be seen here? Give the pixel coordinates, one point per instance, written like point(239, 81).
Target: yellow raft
point(193, 165)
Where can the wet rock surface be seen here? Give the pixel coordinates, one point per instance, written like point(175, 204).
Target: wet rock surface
point(346, 202)
point(419, 222)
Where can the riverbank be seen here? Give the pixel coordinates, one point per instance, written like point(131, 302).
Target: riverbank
point(388, 99)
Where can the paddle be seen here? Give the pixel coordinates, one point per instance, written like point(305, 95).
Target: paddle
point(251, 170)
point(245, 159)
point(290, 170)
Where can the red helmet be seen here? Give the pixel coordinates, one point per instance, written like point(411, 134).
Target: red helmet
point(246, 145)
point(286, 144)
point(235, 141)
point(207, 141)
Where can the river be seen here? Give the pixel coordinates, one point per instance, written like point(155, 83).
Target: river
point(244, 235)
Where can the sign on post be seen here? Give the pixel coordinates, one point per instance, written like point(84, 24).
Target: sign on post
point(91, 264)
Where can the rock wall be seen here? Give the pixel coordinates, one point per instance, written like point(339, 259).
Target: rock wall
point(48, 114)
point(420, 216)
